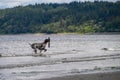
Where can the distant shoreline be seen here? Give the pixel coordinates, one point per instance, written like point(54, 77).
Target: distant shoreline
point(37, 34)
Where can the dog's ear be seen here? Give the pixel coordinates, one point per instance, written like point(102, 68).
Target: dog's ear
point(49, 42)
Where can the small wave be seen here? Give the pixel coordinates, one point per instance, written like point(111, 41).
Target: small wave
point(42, 54)
point(95, 69)
point(32, 62)
point(44, 71)
point(15, 55)
point(51, 61)
point(93, 58)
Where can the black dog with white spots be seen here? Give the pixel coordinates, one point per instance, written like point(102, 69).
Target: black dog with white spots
point(40, 46)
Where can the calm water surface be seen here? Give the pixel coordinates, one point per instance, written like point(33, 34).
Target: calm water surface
point(86, 44)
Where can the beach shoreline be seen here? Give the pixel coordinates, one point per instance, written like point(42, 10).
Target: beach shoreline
point(90, 76)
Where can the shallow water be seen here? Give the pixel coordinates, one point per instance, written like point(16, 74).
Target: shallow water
point(68, 54)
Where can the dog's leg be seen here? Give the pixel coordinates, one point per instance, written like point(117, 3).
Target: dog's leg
point(45, 50)
point(35, 50)
point(40, 51)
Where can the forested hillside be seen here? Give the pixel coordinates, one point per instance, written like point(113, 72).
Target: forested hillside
point(76, 17)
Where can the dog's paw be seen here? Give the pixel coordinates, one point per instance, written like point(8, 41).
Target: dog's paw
point(45, 50)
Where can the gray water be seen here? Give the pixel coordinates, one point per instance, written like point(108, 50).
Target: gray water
point(68, 54)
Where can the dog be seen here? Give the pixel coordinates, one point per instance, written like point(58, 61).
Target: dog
point(40, 46)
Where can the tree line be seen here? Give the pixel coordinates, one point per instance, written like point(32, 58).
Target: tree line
point(74, 17)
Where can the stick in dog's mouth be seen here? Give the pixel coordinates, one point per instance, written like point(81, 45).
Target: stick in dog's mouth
point(49, 42)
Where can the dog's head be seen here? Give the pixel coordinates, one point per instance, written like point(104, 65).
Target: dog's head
point(47, 41)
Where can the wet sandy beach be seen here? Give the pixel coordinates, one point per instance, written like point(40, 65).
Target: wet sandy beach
point(95, 76)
